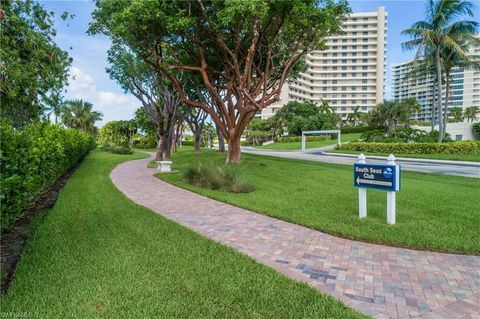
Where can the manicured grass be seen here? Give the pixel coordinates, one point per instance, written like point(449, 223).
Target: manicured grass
point(99, 255)
point(314, 144)
point(451, 157)
point(434, 212)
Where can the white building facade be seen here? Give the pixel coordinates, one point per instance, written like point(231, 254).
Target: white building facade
point(464, 88)
point(349, 73)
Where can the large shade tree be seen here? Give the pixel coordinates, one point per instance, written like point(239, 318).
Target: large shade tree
point(443, 29)
point(32, 66)
point(242, 51)
point(157, 94)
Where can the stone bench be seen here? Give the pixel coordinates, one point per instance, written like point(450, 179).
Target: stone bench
point(164, 166)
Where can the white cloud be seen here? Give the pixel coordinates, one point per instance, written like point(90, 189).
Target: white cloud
point(81, 84)
point(113, 105)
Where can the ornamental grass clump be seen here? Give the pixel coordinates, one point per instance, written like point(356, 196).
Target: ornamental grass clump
point(228, 178)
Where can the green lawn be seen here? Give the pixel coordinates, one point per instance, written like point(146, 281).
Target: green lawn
point(298, 145)
point(99, 255)
point(434, 212)
point(452, 157)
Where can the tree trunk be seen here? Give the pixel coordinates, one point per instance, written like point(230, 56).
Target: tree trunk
point(445, 108)
point(439, 85)
point(221, 141)
point(197, 142)
point(165, 148)
point(158, 154)
point(234, 153)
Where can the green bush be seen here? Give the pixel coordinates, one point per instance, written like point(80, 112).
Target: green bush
point(320, 121)
point(464, 147)
point(106, 147)
point(476, 130)
point(123, 150)
point(32, 159)
point(258, 137)
point(402, 135)
point(355, 129)
point(227, 177)
point(146, 142)
point(187, 143)
point(290, 139)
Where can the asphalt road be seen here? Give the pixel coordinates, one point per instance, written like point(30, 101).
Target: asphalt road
point(467, 169)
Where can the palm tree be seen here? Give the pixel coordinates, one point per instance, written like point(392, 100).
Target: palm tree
point(406, 108)
point(324, 107)
point(456, 114)
point(441, 30)
point(356, 116)
point(78, 114)
point(450, 60)
point(471, 112)
point(51, 103)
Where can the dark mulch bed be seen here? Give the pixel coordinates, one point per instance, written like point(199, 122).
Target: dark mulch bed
point(14, 238)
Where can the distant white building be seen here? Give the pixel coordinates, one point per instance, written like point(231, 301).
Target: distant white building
point(464, 88)
point(350, 72)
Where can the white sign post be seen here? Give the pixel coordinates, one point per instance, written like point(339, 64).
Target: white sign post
point(391, 197)
point(362, 193)
point(385, 177)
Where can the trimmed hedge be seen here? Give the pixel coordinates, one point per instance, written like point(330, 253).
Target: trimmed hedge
point(32, 159)
point(290, 139)
point(403, 135)
point(355, 129)
point(465, 147)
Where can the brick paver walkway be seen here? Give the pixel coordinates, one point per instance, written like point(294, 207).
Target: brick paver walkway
point(380, 281)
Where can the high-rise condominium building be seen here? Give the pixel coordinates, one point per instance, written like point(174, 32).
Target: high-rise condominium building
point(464, 88)
point(349, 73)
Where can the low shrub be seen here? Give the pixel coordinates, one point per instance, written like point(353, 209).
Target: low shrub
point(123, 150)
point(187, 143)
point(227, 177)
point(32, 159)
point(106, 147)
point(290, 139)
point(463, 147)
point(355, 129)
point(402, 135)
point(145, 142)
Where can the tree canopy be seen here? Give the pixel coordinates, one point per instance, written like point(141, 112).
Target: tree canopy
point(242, 51)
point(32, 65)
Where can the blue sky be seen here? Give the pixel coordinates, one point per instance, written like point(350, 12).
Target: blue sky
point(91, 83)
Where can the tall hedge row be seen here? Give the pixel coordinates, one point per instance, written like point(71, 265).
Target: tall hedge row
point(466, 147)
point(32, 159)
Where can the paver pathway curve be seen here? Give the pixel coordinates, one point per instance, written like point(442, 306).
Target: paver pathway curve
point(380, 281)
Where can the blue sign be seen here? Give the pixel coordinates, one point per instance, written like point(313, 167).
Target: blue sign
point(377, 176)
